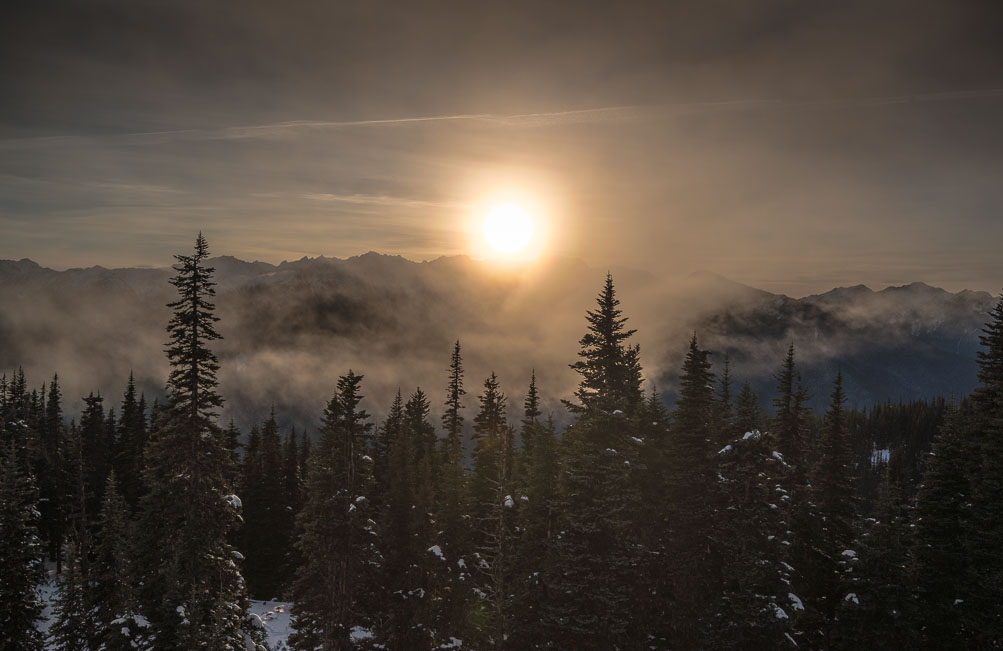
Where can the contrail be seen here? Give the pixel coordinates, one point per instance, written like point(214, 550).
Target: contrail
point(538, 119)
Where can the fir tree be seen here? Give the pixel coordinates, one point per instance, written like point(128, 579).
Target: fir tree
point(113, 604)
point(132, 435)
point(333, 589)
point(593, 577)
point(610, 370)
point(72, 628)
point(755, 606)
point(20, 555)
point(192, 593)
point(748, 414)
point(689, 560)
point(834, 501)
point(943, 522)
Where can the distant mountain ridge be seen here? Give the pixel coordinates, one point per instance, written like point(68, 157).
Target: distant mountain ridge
point(290, 329)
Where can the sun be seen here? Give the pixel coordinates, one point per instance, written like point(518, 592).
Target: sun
point(507, 228)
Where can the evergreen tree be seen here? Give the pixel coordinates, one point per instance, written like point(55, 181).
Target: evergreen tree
point(453, 517)
point(942, 524)
point(531, 417)
point(755, 606)
point(689, 560)
point(72, 628)
point(334, 588)
point(982, 614)
point(20, 555)
point(725, 412)
point(593, 577)
point(114, 609)
point(132, 435)
point(748, 415)
point(834, 501)
point(493, 506)
point(50, 473)
point(193, 593)
point(610, 370)
point(96, 448)
point(266, 534)
point(876, 607)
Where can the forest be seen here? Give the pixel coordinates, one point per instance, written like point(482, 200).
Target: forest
point(465, 517)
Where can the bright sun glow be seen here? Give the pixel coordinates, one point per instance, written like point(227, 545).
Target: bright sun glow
point(508, 228)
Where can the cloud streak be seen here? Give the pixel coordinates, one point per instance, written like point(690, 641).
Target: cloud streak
point(536, 119)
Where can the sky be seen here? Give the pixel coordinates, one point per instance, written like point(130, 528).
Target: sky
point(793, 145)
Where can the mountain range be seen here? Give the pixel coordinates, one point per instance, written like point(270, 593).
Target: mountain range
point(289, 330)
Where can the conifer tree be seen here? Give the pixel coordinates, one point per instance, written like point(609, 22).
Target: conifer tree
point(725, 411)
point(834, 503)
point(20, 554)
point(595, 569)
point(755, 606)
point(334, 588)
point(50, 474)
point(72, 628)
point(943, 521)
point(748, 414)
point(689, 560)
point(983, 616)
point(531, 417)
point(453, 517)
point(193, 594)
point(267, 530)
point(876, 606)
point(493, 506)
point(610, 370)
point(113, 604)
point(96, 449)
point(132, 435)
point(453, 501)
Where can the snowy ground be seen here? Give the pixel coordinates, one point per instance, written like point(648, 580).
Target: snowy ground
point(275, 622)
point(274, 615)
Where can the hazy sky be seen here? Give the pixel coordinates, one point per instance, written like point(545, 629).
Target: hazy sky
point(792, 145)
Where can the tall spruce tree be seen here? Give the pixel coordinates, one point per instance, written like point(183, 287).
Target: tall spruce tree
point(835, 508)
point(114, 609)
point(334, 589)
point(983, 614)
point(689, 560)
point(20, 554)
point(596, 556)
point(193, 594)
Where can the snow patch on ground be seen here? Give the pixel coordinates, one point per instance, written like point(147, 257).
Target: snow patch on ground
point(275, 621)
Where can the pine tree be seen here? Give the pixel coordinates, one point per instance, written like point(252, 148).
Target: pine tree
point(689, 560)
point(97, 452)
point(876, 605)
point(531, 417)
point(132, 435)
point(193, 593)
point(754, 606)
point(20, 554)
point(610, 370)
point(334, 588)
point(748, 414)
point(725, 412)
point(452, 586)
point(267, 530)
point(72, 628)
point(52, 518)
point(114, 609)
point(493, 506)
point(835, 506)
point(593, 578)
point(982, 613)
point(942, 524)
